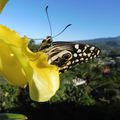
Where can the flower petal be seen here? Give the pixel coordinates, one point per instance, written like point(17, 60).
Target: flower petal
point(45, 81)
point(10, 65)
point(21, 66)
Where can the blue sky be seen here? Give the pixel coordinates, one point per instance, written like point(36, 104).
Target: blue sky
point(89, 18)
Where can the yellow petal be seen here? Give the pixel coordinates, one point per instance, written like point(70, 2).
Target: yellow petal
point(10, 57)
point(10, 37)
point(2, 4)
point(45, 81)
point(20, 66)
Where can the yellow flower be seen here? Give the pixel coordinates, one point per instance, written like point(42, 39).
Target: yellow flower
point(20, 66)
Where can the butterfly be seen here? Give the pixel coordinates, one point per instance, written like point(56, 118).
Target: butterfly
point(65, 55)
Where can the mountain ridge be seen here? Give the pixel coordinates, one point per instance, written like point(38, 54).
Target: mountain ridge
point(109, 43)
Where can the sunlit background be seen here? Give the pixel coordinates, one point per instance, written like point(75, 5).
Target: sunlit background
point(89, 18)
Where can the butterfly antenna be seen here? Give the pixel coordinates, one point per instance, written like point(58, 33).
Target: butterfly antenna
point(46, 9)
point(62, 30)
point(48, 20)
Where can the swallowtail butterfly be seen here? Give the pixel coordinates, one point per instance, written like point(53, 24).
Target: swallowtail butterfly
point(67, 54)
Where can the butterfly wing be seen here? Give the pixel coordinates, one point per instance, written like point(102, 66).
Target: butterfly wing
point(67, 54)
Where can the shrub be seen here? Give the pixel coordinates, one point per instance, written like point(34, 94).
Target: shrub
point(8, 96)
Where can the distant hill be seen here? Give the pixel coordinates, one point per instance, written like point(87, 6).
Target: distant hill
point(105, 44)
point(110, 43)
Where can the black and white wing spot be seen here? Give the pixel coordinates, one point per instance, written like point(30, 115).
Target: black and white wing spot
point(66, 55)
point(77, 46)
point(83, 53)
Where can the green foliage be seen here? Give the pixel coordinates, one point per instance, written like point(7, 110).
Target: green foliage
point(8, 96)
point(69, 93)
point(100, 88)
point(32, 46)
point(12, 116)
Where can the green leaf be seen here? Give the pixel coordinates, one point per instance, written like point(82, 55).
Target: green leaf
point(12, 116)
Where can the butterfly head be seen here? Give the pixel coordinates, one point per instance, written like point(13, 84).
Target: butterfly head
point(46, 43)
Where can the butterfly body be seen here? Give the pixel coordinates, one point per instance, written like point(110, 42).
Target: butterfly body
point(67, 54)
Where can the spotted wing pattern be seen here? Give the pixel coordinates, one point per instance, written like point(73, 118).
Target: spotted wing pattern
point(67, 54)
